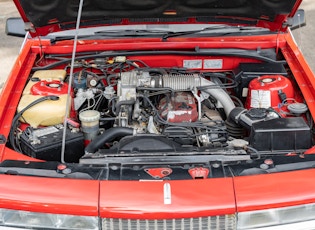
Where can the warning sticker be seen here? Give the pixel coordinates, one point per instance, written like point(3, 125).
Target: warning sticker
point(192, 64)
point(213, 64)
point(260, 99)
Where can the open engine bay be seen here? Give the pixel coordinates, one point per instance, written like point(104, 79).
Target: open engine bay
point(160, 105)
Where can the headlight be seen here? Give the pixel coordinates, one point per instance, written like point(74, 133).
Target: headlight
point(295, 217)
point(25, 219)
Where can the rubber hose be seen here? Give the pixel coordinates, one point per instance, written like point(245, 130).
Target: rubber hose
point(220, 95)
point(107, 136)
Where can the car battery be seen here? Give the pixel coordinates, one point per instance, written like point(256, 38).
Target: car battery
point(46, 144)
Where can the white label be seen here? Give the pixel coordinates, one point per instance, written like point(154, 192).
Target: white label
point(45, 131)
point(213, 64)
point(244, 92)
point(260, 99)
point(192, 64)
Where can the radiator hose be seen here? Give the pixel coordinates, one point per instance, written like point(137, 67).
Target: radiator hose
point(107, 136)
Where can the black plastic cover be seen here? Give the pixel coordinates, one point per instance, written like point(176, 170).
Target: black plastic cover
point(146, 143)
point(291, 134)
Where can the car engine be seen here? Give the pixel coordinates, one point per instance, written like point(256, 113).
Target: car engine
point(124, 106)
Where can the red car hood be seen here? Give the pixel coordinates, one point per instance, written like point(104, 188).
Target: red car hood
point(56, 15)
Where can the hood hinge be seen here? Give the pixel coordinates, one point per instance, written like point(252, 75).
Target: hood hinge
point(288, 22)
point(28, 26)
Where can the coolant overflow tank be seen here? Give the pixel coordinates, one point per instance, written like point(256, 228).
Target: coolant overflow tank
point(46, 113)
point(263, 92)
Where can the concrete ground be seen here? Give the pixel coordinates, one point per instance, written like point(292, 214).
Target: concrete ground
point(9, 46)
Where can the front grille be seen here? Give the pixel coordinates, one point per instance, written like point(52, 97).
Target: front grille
point(226, 222)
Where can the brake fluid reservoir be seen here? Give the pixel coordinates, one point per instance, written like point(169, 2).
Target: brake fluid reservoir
point(89, 124)
point(263, 92)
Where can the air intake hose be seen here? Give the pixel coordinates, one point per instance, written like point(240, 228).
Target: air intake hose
point(188, 81)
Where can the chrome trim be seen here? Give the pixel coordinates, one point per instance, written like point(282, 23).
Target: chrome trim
point(224, 222)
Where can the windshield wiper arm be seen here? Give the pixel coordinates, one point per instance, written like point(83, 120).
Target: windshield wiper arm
point(69, 37)
point(218, 30)
point(111, 33)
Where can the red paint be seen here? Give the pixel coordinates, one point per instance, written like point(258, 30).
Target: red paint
point(199, 173)
point(301, 71)
point(158, 173)
point(13, 88)
point(274, 190)
point(144, 199)
point(9, 154)
point(63, 196)
point(251, 42)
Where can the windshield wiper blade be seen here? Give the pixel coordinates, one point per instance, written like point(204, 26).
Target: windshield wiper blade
point(131, 32)
point(69, 37)
point(220, 30)
point(112, 33)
